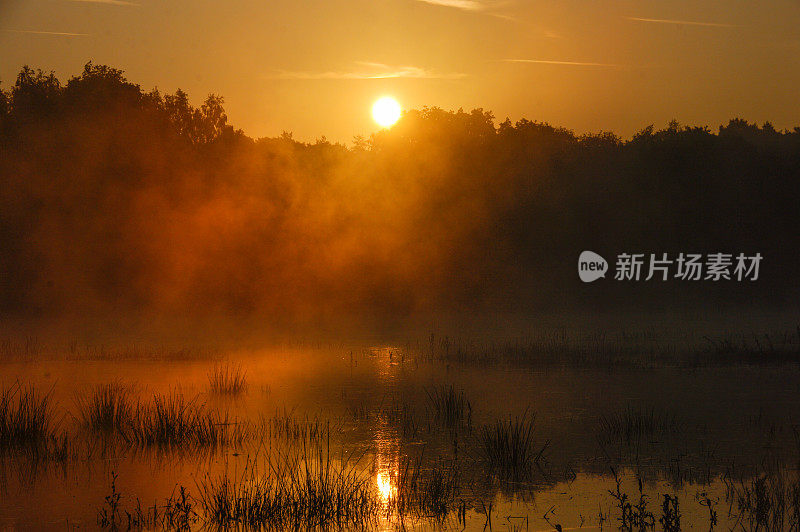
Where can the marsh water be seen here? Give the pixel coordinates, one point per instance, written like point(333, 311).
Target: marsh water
point(712, 433)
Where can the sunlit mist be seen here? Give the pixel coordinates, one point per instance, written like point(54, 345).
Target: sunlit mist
point(312, 265)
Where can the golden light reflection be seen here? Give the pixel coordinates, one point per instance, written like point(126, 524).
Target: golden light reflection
point(387, 440)
point(385, 487)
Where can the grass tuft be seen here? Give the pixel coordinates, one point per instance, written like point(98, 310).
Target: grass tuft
point(26, 417)
point(449, 406)
point(227, 379)
point(510, 449)
point(292, 427)
point(108, 408)
point(299, 491)
point(634, 424)
point(422, 491)
point(173, 422)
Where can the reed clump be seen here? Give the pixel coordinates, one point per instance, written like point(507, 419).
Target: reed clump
point(299, 491)
point(770, 500)
point(228, 379)
point(510, 448)
point(108, 408)
point(449, 406)
point(171, 421)
point(287, 425)
point(26, 417)
point(419, 491)
point(177, 512)
point(634, 424)
point(29, 428)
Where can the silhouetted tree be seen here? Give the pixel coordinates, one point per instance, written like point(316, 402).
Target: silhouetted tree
point(113, 198)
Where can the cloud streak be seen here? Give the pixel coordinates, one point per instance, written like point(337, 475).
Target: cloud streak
point(369, 70)
point(486, 7)
point(59, 33)
point(682, 22)
point(563, 63)
point(109, 2)
point(465, 5)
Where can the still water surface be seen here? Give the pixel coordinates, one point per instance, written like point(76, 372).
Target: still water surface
point(724, 426)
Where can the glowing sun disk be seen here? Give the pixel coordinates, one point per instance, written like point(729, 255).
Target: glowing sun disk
point(386, 111)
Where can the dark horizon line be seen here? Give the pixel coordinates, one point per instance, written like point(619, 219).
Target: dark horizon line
point(766, 125)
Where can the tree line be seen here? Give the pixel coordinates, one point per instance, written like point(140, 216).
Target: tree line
point(120, 200)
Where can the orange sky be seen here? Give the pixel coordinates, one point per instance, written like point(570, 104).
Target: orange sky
point(314, 67)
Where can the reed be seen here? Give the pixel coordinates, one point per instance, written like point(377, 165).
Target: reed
point(228, 379)
point(297, 491)
point(171, 421)
point(287, 425)
point(108, 408)
point(510, 449)
point(424, 491)
point(634, 424)
point(26, 417)
point(449, 406)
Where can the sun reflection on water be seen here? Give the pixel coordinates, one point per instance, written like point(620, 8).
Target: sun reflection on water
point(387, 441)
point(385, 487)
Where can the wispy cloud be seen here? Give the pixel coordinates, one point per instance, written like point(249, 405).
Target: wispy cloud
point(683, 22)
point(534, 27)
point(503, 17)
point(564, 63)
point(466, 5)
point(369, 70)
point(60, 33)
point(108, 2)
point(486, 7)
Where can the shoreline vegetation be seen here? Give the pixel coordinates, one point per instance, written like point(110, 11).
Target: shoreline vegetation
point(555, 348)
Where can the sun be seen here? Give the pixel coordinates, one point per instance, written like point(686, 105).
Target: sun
point(386, 111)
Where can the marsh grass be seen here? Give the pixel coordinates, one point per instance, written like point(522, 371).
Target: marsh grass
point(167, 421)
point(29, 430)
point(510, 448)
point(546, 349)
point(171, 421)
point(107, 409)
point(26, 417)
point(448, 405)
point(298, 490)
point(752, 349)
point(770, 500)
point(633, 512)
point(227, 379)
point(359, 413)
point(634, 424)
point(287, 425)
point(625, 349)
point(28, 348)
point(177, 512)
point(424, 492)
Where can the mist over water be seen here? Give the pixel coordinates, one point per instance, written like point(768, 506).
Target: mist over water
point(127, 207)
point(199, 328)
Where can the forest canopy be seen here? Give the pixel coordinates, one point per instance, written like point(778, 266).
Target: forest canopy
point(121, 201)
